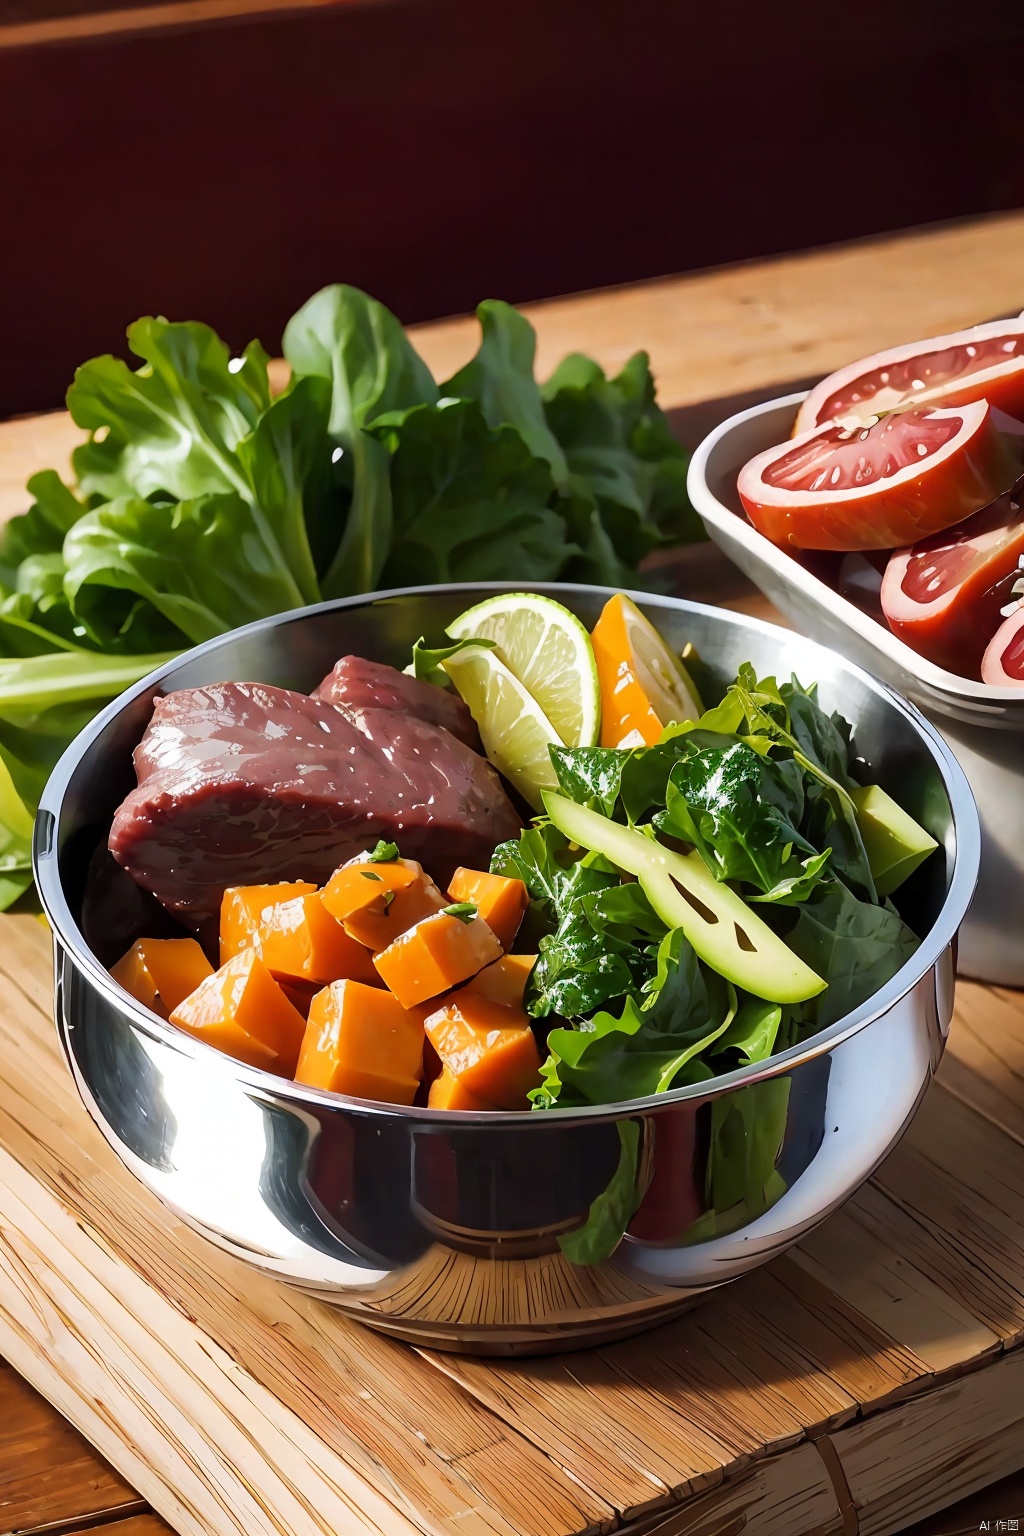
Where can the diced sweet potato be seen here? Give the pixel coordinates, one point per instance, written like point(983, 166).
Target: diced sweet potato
point(488, 1046)
point(242, 1011)
point(299, 940)
point(360, 1041)
point(501, 902)
point(160, 973)
point(300, 994)
point(505, 980)
point(435, 954)
point(379, 899)
point(447, 1092)
point(243, 908)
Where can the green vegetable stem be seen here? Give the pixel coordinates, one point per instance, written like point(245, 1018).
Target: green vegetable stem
point(199, 502)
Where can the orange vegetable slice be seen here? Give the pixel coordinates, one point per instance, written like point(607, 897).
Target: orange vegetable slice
point(488, 1046)
point(447, 1092)
point(643, 686)
point(299, 941)
point(379, 899)
point(243, 908)
point(360, 1041)
point(505, 980)
point(435, 954)
point(501, 902)
point(160, 973)
point(242, 1011)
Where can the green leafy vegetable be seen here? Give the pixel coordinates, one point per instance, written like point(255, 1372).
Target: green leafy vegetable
point(627, 474)
point(500, 379)
point(858, 946)
point(611, 1211)
point(742, 809)
point(205, 565)
point(471, 501)
point(426, 661)
point(682, 1009)
point(383, 853)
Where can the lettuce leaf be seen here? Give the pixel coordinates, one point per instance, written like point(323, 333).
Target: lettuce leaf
point(856, 945)
point(205, 565)
point(742, 810)
point(644, 1049)
point(500, 379)
point(470, 501)
point(626, 472)
point(173, 426)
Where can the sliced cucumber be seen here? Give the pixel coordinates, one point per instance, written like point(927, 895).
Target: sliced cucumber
point(723, 930)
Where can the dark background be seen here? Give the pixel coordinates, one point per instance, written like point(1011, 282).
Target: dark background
point(438, 152)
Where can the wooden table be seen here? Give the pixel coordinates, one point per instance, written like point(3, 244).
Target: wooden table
point(869, 1378)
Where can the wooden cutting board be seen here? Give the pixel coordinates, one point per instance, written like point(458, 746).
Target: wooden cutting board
point(871, 1376)
point(867, 1378)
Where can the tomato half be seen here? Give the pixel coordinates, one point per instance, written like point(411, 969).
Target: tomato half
point(1003, 662)
point(945, 595)
point(905, 476)
point(985, 362)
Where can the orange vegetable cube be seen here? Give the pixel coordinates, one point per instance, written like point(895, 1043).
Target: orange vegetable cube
point(488, 1046)
point(160, 973)
point(243, 908)
point(242, 1011)
point(299, 993)
point(447, 1092)
point(299, 940)
point(360, 1041)
point(505, 980)
point(379, 899)
point(501, 902)
point(435, 954)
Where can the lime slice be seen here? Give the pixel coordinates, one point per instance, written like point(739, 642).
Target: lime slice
point(514, 729)
point(662, 676)
point(548, 651)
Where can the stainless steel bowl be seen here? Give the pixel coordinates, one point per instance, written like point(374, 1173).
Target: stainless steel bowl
point(983, 725)
point(444, 1229)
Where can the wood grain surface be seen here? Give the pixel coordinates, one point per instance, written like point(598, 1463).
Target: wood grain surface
point(867, 1379)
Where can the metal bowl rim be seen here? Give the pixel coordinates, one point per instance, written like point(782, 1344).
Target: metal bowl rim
point(958, 690)
point(961, 887)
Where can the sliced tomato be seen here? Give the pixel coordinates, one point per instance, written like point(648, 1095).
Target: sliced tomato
point(907, 475)
point(945, 595)
point(985, 362)
point(1003, 662)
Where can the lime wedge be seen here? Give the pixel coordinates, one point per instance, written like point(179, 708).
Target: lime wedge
point(548, 651)
point(514, 729)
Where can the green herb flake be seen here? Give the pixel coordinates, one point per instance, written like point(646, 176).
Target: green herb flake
point(368, 874)
point(465, 911)
point(384, 853)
